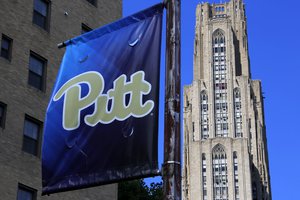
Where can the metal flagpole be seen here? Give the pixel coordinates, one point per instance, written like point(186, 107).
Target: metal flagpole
point(172, 153)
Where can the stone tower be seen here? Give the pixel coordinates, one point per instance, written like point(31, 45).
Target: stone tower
point(225, 146)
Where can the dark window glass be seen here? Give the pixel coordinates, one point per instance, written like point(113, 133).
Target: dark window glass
point(85, 29)
point(94, 2)
point(6, 46)
point(216, 49)
point(2, 114)
point(26, 193)
point(41, 13)
point(31, 136)
point(193, 127)
point(36, 71)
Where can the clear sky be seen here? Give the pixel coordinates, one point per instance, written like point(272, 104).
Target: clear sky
point(274, 43)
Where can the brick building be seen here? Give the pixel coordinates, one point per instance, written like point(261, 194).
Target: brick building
point(30, 31)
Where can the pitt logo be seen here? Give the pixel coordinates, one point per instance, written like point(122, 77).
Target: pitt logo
point(136, 88)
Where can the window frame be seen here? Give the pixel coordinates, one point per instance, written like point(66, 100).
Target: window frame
point(204, 115)
point(204, 176)
point(35, 12)
point(236, 176)
point(220, 172)
point(85, 28)
point(39, 136)
point(27, 189)
point(44, 71)
point(3, 119)
point(9, 51)
point(238, 117)
point(220, 82)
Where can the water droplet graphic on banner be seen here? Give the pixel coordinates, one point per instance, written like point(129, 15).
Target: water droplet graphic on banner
point(136, 37)
point(83, 59)
point(134, 42)
point(127, 128)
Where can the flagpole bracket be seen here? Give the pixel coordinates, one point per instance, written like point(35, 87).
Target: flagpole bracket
point(61, 45)
point(172, 162)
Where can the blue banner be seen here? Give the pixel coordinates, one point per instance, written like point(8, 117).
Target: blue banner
point(102, 120)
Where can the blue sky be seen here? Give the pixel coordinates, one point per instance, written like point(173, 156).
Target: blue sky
point(274, 43)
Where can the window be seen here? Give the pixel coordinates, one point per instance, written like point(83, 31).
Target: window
point(93, 2)
point(41, 13)
point(220, 180)
point(220, 82)
point(238, 113)
point(26, 193)
point(225, 126)
point(37, 66)
point(204, 115)
point(219, 9)
point(2, 114)
point(31, 135)
point(204, 180)
point(85, 28)
point(6, 47)
point(236, 177)
point(193, 126)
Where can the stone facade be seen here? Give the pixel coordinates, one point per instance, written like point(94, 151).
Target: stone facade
point(18, 167)
point(225, 145)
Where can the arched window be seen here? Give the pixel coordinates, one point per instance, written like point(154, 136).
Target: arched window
point(236, 177)
point(204, 179)
point(204, 115)
point(220, 83)
point(238, 113)
point(220, 180)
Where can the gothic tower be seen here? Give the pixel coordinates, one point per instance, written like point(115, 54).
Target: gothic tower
point(225, 145)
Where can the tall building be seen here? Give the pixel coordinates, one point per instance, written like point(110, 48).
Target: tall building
point(29, 60)
point(225, 145)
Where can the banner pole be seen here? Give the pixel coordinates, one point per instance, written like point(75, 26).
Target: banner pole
point(172, 138)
